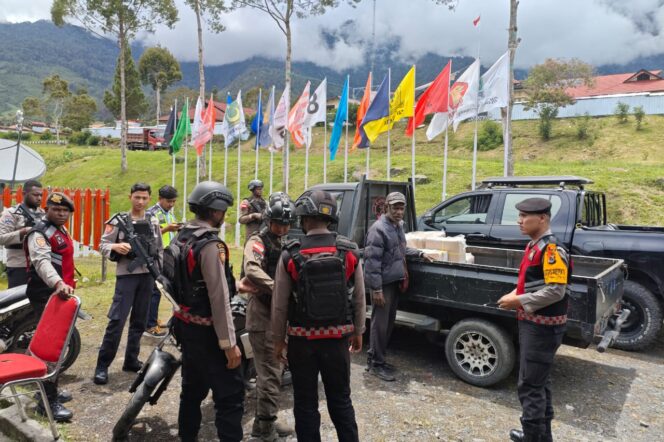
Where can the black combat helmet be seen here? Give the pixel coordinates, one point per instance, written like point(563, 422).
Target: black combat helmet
point(212, 195)
point(318, 203)
point(280, 209)
point(253, 184)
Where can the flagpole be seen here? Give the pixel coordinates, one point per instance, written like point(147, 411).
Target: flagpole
point(325, 148)
point(272, 142)
point(226, 156)
point(445, 164)
point(346, 145)
point(186, 151)
point(412, 144)
point(214, 122)
point(239, 165)
point(389, 79)
point(287, 160)
point(258, 130)
point(175, 110)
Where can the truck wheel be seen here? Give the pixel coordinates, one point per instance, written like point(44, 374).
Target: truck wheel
point(644, 321)
point(480, 352)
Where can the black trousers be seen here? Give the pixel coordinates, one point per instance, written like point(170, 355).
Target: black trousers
point(132, 295)
point(539, 344)
point(382, 324)
point(16, 276)
point(38, 301)
point(204, 369)
point(330, 358)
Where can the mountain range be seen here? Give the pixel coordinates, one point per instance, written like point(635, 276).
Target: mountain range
point(32, 51)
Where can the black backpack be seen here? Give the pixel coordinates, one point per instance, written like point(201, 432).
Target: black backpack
point(181, 253)
point(322, 297)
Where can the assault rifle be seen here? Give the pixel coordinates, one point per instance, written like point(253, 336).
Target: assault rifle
point(142, 257)
point(31, 219)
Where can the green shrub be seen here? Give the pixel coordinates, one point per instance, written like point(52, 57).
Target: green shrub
point(81, 138)
point(490, 136)
point(585, 130)
point(621, 112)
point(547, 115)
point(46, 136)
point(639, 115)
point(94, 140)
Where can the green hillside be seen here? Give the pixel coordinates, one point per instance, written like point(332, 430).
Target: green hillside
point(624, 163)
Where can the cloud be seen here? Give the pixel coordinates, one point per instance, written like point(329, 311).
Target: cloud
point(596, 31)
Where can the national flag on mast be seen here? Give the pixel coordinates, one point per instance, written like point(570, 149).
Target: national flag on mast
point(360, 139)
point(184, 129)
point(434, 100)
point(476, 22)
point(280, 121)
point(297, 117)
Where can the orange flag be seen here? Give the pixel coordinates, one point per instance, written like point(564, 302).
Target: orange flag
point(361, 111)
point(206, 129)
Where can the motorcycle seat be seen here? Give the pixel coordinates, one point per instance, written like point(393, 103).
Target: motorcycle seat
point(10, 296)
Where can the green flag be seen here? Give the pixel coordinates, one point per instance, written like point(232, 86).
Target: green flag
point(184, 129)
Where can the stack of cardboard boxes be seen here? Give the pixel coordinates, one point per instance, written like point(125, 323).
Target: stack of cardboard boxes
point(452, 249)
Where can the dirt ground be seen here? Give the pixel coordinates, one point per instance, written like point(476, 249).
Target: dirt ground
point(615, 396)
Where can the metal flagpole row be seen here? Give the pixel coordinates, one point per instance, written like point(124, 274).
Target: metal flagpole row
point(346, 143)
point(389, 87)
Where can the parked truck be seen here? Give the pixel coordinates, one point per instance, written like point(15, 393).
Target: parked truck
point(457, 301)
point(147, 139)
point(488, 217)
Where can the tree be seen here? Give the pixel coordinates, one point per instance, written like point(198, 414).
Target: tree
point(158, 68)
point(546, 88)
point(281, 11)
point(621, 112)
point(179, 94)
point(79, 110)
point(56, 91)
point(133, 103)
point(639, 115)
point(32, 108)
point(512, 43)
point(122, 19)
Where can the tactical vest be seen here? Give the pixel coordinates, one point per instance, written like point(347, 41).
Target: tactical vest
point(39, 215)
point(193, 292)
point(271, 255)
point(321, 303)
point(62, 257)
point(146, 234)
point(531, 279)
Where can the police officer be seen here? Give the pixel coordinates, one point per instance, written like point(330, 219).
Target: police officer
point(251, 209)
point(50, 253)
point(540, 299)
point(261, 255)
point(14, 226)
point(168, 226)
point(210, 354)
point(132, 288)
point(318, 302)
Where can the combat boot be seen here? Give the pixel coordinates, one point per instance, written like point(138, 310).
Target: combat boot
point(265, 429)
point(520, 436)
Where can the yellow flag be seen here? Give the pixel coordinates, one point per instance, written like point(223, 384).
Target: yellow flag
point(401, 106)
point(404, 98)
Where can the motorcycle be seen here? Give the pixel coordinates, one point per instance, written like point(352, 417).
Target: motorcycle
point(18, 324)
point(160, 368)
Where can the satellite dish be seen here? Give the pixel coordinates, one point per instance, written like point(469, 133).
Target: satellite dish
point(19, 163)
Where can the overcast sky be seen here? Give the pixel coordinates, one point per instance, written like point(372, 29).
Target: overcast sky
point(596, 31)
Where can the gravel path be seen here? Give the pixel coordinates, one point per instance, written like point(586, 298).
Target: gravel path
point(616, 396)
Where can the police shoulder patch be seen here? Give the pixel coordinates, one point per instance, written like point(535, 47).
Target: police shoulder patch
point(555, 268)
point(108, 229)
point(40, 241)
point(222, 252)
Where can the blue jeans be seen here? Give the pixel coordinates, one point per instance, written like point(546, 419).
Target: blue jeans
point(153, 310)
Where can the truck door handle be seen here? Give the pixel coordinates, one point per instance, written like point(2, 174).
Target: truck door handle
point(476, 236)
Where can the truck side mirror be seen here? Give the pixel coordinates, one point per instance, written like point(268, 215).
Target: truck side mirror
point(427, 219)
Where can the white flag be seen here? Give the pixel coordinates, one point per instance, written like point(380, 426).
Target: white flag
point(197, 124)
point(234, 124)
point(462, 102)
point(280, 121)
point(316, 111)
point(495, 90)
point(467, 88)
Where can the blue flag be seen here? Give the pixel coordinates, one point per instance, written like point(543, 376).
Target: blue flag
point(339, 119)
point(257, 123)
point(379, 108)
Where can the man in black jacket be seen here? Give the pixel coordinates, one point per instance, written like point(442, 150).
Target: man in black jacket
point(385, 270)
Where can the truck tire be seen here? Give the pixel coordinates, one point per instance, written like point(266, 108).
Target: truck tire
point(479, 352)
point(644, 321)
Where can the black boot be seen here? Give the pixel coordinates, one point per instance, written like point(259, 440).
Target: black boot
point(520, 436)
point(548, 436)
point(60, 413)
point(101, 376)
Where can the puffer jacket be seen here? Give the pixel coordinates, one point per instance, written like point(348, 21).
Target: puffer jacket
point(384, 254)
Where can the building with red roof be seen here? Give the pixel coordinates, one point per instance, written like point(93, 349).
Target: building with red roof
point(640, 82)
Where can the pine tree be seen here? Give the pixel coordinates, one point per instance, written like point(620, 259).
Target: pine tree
point(136, 104)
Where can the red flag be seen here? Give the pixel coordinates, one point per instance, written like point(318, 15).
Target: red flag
point(361, 112)
point(434, 100)
point(476, 21)
point(207, 127)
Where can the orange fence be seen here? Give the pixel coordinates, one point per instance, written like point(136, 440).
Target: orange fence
point(92, 209)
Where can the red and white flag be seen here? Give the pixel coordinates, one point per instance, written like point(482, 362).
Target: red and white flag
point(476, 21)
point(205, 129)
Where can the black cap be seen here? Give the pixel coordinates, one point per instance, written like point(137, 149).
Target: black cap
point(60, 199)
point(534, 205)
